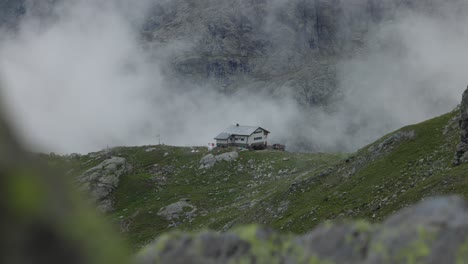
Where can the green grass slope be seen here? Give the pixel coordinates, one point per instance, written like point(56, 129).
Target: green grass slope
point(372, 184)
point(222, 194)
point(292, 192)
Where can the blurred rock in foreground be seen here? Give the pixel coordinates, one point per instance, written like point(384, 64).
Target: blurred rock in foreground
point(433, 231)
point(41, 219)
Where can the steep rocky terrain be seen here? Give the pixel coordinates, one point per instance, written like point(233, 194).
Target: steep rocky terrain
point(278, 47)
point(260, 46)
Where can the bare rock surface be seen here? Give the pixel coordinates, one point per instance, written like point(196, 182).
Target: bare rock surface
point(228, 156)
point(210, 160)
point(461, 155)
point(178, 210)
point(101, 180)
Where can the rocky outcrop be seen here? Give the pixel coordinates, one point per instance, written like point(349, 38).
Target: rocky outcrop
point(101, 180)
point(228, 156)
point(178, 211)
point(433, 231)
point(210, 160)
point(376, 151)
point(207, 161)
point(390, 142)
point(461, 156)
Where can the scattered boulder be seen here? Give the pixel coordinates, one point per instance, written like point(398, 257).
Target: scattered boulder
point(101, 180)
point(157, 170)
point(228, 156)
point(461, 155)
point(178, 211)
point(207, 161)
point(150, 150)
point(210, 160)
point(433, 231)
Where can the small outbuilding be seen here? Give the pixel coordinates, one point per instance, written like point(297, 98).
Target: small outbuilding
point(244, 136)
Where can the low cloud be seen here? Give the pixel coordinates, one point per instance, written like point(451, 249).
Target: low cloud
point(84, 81)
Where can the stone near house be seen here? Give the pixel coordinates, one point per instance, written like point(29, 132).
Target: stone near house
point(210, 160)
point(207, 161)
point(228, 156)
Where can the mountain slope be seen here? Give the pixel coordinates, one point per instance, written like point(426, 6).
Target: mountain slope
point(168, 190)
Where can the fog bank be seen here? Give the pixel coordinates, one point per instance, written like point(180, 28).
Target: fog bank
point(84, 81)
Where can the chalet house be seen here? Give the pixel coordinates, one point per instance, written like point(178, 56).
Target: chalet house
point(244, 136)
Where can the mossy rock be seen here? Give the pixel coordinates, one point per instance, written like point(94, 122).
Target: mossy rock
point(433, 231)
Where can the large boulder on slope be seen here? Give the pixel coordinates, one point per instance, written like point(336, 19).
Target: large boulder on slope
point(101, 180)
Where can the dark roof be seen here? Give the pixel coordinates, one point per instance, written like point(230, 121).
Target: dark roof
point(223, 136)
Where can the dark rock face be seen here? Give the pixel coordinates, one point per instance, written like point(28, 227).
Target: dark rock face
point(433, 231)
point(11, 11)
point(267, 45)
point(461, 156)
point(253, 44)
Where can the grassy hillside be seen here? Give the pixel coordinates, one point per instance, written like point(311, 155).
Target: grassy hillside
point(289, 191)
point(223, 195)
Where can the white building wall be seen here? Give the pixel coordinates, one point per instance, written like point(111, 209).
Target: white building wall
point(221, 141)
point(240, 139)
point(258, 138)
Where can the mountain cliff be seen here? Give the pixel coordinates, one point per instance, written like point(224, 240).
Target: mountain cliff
point(272, 46)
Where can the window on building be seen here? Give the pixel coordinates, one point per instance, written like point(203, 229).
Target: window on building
point(258, 138)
